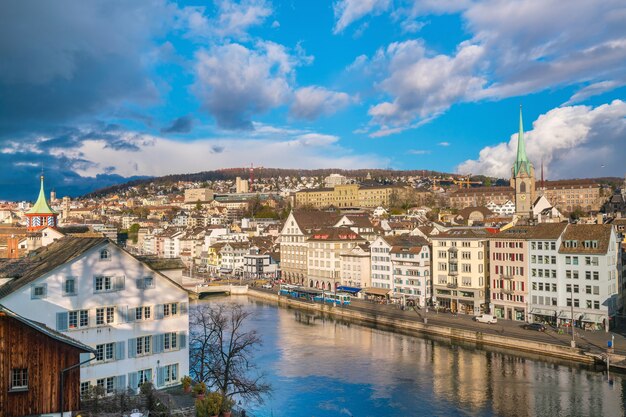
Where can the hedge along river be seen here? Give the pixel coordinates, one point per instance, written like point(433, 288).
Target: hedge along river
point(319, 366)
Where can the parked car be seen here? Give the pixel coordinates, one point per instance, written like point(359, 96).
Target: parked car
point(486, 318)
point(535, 326)
point(267, 286)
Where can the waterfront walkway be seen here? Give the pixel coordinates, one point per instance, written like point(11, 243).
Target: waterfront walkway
point(590, 341)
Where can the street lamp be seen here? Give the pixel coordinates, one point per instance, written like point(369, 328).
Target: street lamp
point(573, 343)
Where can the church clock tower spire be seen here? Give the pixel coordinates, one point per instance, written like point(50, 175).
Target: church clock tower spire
point(523, 175)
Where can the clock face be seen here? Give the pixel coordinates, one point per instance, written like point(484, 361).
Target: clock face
point(522, 197)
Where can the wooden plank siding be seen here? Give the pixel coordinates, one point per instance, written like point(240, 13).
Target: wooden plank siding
point(22, 346)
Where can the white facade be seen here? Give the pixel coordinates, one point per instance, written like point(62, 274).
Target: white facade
point(356, 268)
point(136, 318)
point(382, 268)
point(506, 209)
point(411, 274)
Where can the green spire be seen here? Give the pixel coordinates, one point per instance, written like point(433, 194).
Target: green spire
point(41, 205)
point(521, 162)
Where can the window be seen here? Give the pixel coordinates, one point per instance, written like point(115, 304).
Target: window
point(69, 286)
point(105, 352)
point(84, 388)
point(142, 313)
point(19, 379)
point(145, 282)
point(171, 373)
point(596, 305)
point(107, 384)
point(105, 255)
point(596, 275)
point(170, 341)
point(143, 345)
point(38, 291)
point(103, 284)
point(143, 376)
point(104, 315)
point(78, 318)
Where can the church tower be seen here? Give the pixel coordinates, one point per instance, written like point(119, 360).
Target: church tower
point(523, 176)
point(41, 215)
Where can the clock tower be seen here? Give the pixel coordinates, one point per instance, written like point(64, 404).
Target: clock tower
point(523, 176)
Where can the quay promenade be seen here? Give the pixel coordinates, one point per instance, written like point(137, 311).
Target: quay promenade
point(591, 346)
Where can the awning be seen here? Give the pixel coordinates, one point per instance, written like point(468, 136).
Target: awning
point(351, 290)
point(541, 312)
point(594, 318)
point(376, 291)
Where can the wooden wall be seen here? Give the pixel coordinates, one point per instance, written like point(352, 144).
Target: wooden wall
point(21, 346)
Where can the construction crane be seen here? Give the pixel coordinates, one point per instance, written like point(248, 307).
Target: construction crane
point(465, 181)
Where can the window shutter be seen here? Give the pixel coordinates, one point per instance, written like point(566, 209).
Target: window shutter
point(159, 341)
point(84, 357)
point(184, 307)
point(133, 380)
point(182, 340)
point(120, 382)
point(119, 350)
point(122, 313)
point(161, 376)
point(132, 352)
point(131, 315)
point(45, 290)
point(119, 283)
point(140, 282)
point(94, 283)
point(62, 321)
point(158, 311)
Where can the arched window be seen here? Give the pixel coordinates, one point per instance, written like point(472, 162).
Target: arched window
point(105, 255)
point(522, 187)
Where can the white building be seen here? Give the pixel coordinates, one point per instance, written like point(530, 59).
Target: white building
point(335, 179)
point(506, 209)
point(382, 268)
point(356, 267)
point(410, 258)
point(100, 295)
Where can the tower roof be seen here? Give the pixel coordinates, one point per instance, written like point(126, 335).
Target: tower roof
point(521, 161)
point(41, 205)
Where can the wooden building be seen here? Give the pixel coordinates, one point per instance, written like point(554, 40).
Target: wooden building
point(32, 357)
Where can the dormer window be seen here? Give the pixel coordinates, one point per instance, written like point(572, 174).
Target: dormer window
point(105, 255)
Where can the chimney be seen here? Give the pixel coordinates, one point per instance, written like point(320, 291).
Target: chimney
point(600, 218)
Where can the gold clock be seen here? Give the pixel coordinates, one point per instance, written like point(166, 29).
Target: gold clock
point(522, 197)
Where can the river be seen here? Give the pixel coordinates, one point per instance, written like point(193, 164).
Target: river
point(320, 366)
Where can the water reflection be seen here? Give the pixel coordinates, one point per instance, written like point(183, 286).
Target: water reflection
point(319, 366)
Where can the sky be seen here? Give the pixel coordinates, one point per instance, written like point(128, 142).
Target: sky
point(101, 91)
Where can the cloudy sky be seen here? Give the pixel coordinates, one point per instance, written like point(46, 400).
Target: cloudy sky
point(100, 91)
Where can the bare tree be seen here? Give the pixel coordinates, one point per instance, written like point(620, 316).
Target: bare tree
point(222, 351)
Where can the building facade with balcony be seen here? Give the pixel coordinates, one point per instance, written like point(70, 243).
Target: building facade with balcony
point(410, 258)
point(461, 270)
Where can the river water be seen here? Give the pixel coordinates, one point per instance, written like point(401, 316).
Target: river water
point(319, 366)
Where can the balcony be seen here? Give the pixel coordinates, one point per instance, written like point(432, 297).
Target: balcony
point(507, 291)
point(506, 276)
point(453, 272)
point(452, 285)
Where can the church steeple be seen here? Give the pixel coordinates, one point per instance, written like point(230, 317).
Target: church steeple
point(521, 161)
point(41, 214)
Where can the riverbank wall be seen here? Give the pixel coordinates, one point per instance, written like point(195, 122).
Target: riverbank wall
point(420, 327)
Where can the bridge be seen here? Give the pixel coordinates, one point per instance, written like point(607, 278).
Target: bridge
point(207, 289)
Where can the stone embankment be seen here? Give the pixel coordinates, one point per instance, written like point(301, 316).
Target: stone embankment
point(478, 337)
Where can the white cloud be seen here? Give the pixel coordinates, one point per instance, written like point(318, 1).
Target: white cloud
point(349, 11)
point(514, 48)
point(418, 152)
point(161, 156)
point(312, 102)
point(231, 19)
point(235, 82)
point(444, 144)
point(573, 141)
point(423, 86)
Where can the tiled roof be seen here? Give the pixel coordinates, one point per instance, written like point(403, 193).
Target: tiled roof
point(40, 327)
point(482, 190)
point(600, 233)
point(161, 264)
point(315, 219)
point(334, 234)
point(464, 233)
point(44, 260)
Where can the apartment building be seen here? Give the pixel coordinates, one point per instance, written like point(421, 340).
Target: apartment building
point(508, 269)
point(545, 278)
point(354, 195)
point(461, 269)
point(567, 195)
point(355, 266)
point(589, 256)
point(98, 294)
point(381, 266)
point(325, 247)
point(298, 227)
point(410, 259)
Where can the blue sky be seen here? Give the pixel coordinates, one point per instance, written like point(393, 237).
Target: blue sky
point(101, 91)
